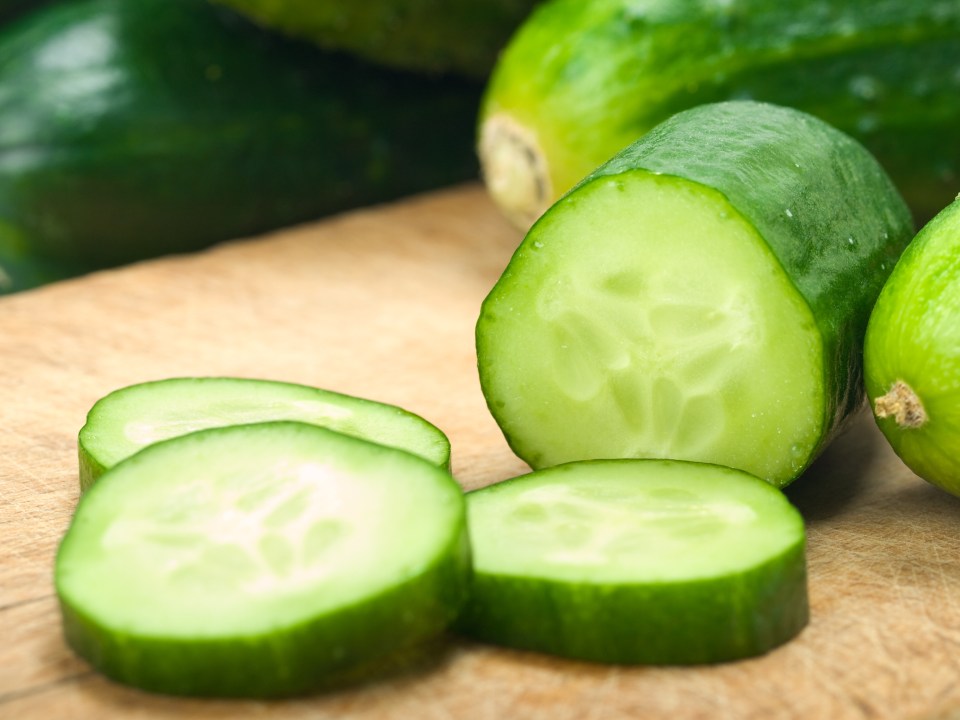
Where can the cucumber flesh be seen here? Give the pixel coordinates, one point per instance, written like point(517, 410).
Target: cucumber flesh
point(260, 560)
point(636, 561)
point(130, 418)
point(677, 335)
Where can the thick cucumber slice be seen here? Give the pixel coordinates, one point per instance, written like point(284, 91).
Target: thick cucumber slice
point(128, 419)
point(258, 560)
point(636, 561)
point(912, 353)
point(702, 296)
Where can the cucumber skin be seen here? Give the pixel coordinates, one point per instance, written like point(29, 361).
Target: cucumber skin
point(197, 127)
point(883, 72)
point(912, 337)
point(749, 152)
point(240, 669)
point(461, 36)
point(557, 618)
point(261, 666)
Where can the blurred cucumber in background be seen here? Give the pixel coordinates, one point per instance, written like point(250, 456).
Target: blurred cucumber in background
point(456, 36)
point(136, 128)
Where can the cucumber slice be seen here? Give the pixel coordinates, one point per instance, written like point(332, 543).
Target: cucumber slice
point(636, 561)
point(912, 353)
point(260, 560)
point(702, 296)
point(126, 420)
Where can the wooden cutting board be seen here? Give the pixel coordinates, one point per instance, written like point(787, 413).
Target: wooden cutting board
point(381, 303)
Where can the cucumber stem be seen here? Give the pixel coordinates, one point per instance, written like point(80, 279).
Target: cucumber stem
point(901, 403)
point(514, 170)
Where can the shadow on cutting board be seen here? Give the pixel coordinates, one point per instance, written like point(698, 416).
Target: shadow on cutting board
point(856, 466)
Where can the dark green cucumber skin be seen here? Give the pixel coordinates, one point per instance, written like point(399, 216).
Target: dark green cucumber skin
point(766, 159)
point(262, 665)
point(883, 72)
point(21, 270)
point(168, 125)
point(9, 9)
point(237, 668)
point(561, 619)
point(458, 36)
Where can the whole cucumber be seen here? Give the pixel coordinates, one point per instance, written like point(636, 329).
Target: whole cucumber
point(134, 129)
point(581, 80)
point(460, 36)
point(912, 353)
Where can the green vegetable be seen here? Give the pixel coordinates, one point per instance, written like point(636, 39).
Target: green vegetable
point(10, 9)
point(701, 296)
point(134, 129)
point(582, 80)
point(20, 269)
point(461, 36)
point(260, 560)
point(131, 418)
point(636, 561)
point(912, 353)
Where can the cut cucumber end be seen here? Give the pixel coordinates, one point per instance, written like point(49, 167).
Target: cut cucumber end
point(514, 170)
point(636, 561)
point(643, 316)
point(126, 420)
point(259, 560)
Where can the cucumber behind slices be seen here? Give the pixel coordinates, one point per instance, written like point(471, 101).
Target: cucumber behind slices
point(130, 418)
point(701, 296)
point(260, 560)
point(636, 561)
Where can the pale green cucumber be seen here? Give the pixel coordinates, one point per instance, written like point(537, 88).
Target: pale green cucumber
point(912, 353)
point(260, 560)
point(130, 418)
point(636, 561)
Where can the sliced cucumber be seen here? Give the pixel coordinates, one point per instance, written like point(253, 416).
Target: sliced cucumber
point(128, 419)
point(636, 561)
point(258, 560)
point(701, 296)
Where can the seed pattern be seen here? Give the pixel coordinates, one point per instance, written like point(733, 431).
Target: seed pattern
point(657, 356)
point(593, 527)
point(244, 532)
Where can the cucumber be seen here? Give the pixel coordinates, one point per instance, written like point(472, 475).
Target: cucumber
point(701, 296)
point(636, 561)
point(129, 419)
point(260, 560)
point(582, 80)
point(457, 36)
point(21, 270)
point(912, 353)
point(134, 129)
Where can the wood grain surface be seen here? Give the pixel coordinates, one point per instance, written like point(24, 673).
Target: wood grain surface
point(381, 303)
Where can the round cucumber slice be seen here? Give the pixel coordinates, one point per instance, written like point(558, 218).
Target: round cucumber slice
point(912, 353)
point(636, 561)
point(133, 417)
point(260, 560)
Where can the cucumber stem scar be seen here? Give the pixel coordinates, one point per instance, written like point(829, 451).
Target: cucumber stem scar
point(903, 405)
point(514, 169)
